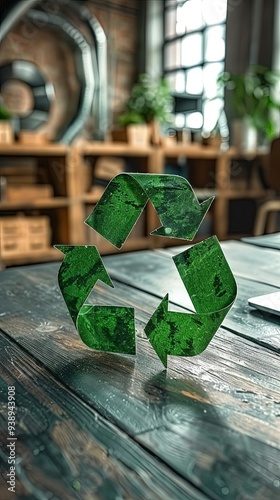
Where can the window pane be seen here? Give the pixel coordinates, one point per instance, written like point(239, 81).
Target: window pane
point(192, 15)
point(180, 120)
point(180, 82)
point(171, 80)
point(214, 11)
point(215, 43)
point(180, 22)
point(210, 75)
point(170, 23)
point(191, 50)
point(197, 56)
point(211, 112)
point(172, 55)
point(194, 81)
point(194, 120)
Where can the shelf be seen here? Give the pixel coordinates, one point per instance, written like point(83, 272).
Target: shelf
point(233, 153)
point(112, 149)
point(48, 149)
point(197, 151)
point(36, 204)
point(192, 151)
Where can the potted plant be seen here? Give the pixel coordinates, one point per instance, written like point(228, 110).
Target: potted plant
point(133, 129)
point(252, 103)
point(6, 129)
point(149, 104)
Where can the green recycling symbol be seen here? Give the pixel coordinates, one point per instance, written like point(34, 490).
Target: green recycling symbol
point(203, 270)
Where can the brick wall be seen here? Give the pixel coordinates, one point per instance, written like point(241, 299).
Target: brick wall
point(49, 50)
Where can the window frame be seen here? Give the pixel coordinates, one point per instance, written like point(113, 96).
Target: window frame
point(201, 98)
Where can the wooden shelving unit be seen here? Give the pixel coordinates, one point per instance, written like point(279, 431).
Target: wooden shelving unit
point(53, 159)
point(222, 185)
point(69, 169)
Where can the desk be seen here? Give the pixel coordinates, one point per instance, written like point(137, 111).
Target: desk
point(92, 425)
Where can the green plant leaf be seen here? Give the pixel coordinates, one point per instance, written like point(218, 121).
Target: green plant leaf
point(4, 113)
point(251, 96)
point(149, 100)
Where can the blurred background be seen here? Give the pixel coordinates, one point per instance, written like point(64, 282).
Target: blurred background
point(91, 88)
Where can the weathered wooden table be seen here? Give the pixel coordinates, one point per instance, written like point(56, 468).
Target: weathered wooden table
point(92, 425)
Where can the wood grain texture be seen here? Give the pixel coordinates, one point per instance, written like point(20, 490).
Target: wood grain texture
point(214, 419)
point(66, 450)
point(155, 273)
point(267, 240)
point(247, 260)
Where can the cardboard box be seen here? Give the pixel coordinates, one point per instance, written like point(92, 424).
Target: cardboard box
point(20, 235)
point(31, 138)
point(6, 132)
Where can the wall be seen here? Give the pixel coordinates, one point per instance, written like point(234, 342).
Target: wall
point(154, 38)
point(120, 21)
point(55, 58)
point(249, 37)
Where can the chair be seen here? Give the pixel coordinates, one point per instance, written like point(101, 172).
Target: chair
point(273, 205)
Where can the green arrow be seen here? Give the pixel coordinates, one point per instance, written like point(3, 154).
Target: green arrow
point(106, 328)
point(212, 289)
point(176, 204)
point(125, 198)
point(202, 268)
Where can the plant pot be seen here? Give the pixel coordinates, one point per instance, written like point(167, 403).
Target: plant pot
point(243, 135)
point(30, 137)
point(119, 135)
point(6, 132)
point(138, 135)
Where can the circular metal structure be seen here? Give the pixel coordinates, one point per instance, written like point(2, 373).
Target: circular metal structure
point(42, 91)
point(91, 62)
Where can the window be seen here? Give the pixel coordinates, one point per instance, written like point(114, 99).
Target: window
point(193, 57)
